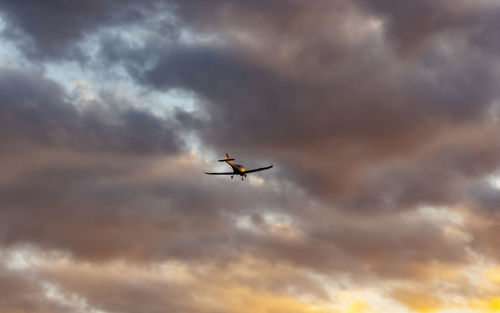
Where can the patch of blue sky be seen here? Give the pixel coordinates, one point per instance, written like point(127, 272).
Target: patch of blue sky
point(188, 37)
point(9, 54)
point(114, 79)
point(87, 86)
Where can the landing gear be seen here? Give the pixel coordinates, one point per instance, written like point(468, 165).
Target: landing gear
point(241, 178)
point(232, 176)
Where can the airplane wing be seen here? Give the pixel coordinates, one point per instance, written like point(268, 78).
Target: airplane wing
point(223, 173)
point(259, 169)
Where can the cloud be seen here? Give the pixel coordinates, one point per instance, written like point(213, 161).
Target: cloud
point(382, 119)
point(21, 292)
point(52, 30)
point(346, 101)
point(36, 110)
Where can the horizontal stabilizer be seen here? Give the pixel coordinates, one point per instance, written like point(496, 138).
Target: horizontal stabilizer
point(224, 160)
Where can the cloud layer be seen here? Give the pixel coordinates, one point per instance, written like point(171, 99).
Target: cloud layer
point(382, 118)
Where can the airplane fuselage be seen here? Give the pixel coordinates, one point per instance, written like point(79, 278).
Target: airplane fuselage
point(238, 169)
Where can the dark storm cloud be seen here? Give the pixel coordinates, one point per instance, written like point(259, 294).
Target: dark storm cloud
point(483, 33)
point(35, 110)
point(445, 175)
point(52, 29)
point(485, 197)
point(55, 26)
point(410, 24)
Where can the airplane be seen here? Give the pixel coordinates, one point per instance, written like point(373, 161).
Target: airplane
point(238, 169)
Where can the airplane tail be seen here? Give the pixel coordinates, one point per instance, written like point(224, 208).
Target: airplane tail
point(226, 159)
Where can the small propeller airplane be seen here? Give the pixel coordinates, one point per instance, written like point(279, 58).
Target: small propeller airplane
point(238, 169)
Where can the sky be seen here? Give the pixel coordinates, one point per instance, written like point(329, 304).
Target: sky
point(382, 119)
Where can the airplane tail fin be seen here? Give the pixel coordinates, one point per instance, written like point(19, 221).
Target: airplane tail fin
point(226, 159)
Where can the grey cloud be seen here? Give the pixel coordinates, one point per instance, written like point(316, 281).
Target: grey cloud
point(410, 24)
point(51, 30)
point(35, 110)
point(22, 292)
point(103, 210)
point(118, 294)
point(485, 198)
point(366, 123)
point(344, 101)
point(100, 206)
point(365, 115)
point(350, 108)
point(184, 289)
